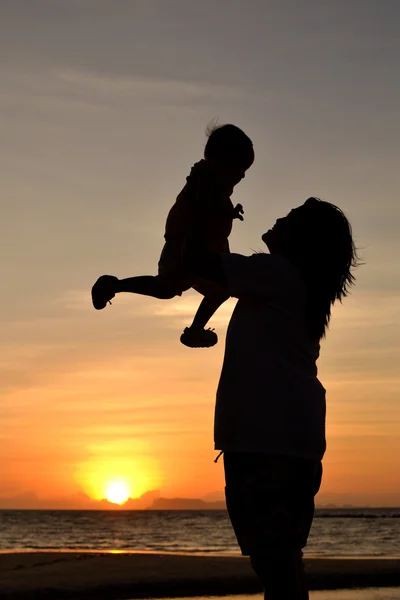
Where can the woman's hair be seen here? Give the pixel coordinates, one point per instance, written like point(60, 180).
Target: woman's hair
point(226, 141)
point(322, 247)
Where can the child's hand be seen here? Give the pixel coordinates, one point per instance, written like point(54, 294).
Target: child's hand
point(238, 212)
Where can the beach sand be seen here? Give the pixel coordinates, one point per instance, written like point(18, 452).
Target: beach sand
point(364, 594)
point(96, 575)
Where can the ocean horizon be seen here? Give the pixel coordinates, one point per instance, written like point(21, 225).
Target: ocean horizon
point(350, 531)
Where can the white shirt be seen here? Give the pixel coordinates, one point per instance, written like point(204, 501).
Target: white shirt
point(269, 398)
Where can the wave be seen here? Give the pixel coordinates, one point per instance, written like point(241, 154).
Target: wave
point(342, 514)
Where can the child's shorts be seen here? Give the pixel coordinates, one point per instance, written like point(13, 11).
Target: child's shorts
point(176, 278)
point(270, 500)
point(170, 268)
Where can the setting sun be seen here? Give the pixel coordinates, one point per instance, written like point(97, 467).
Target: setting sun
point(118, 478)
point(117, 492)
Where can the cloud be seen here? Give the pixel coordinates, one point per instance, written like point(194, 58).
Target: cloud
point(79, 88)
point(148, 89)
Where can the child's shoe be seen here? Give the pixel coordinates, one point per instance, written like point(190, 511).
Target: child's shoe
point(103, 290)
point(196, 337)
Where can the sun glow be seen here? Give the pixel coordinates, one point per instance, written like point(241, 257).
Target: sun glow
point(117, 492)
point(118, 479)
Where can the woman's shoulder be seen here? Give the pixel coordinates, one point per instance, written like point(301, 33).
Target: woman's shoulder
point(281, 270)
point(273, 261)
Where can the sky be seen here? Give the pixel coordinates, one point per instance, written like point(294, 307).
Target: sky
point(103, 109)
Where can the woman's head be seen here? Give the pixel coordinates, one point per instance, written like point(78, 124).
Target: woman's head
point(230, 149)
point(317, 238)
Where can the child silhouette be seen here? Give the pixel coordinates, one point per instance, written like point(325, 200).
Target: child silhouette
point(200, 219)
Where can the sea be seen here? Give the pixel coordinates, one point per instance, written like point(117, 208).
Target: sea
point(350, 532)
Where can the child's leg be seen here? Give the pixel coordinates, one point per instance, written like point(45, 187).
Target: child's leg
point(148, 285)
point(107, 286)
point(169, 282)
point(208, 306)
point(196, 336)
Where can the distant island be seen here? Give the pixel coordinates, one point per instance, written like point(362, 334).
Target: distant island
point(148, 501)
point(153, 500)
point(186, 504)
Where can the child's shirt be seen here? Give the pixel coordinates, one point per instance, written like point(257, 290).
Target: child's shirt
point(203, 210)
point(269, 398)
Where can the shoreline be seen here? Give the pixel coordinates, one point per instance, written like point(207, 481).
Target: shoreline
point(308, 558)
point(118, 576)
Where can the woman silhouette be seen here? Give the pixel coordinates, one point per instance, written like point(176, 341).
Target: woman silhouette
point(270, 409)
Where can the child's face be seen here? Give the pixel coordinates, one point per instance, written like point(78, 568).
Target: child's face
point(234, 169)
point(235, 174)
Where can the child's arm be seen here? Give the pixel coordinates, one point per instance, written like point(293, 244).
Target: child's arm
point(238, 212)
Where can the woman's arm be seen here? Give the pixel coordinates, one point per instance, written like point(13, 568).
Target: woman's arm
point(255, 276)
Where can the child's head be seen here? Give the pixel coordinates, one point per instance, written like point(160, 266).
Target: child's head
point(317, 238)
point(231, 150)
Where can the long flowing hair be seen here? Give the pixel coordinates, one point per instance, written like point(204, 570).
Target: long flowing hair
point(322, 247)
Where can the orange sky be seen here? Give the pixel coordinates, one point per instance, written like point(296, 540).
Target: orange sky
point(144, 414)
point(96, 141)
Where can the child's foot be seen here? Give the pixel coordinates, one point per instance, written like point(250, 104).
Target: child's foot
point(103, 290)
point(197, 337)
